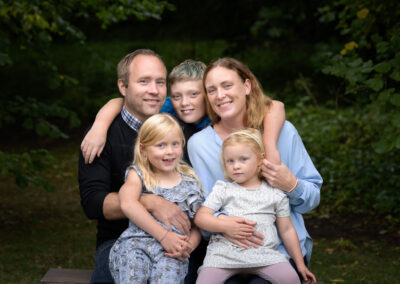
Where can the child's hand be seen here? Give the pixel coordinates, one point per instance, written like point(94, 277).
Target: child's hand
point(175, 245)
point(185, 251)
point(308, 277)
point(238, 228)
point(93, 144)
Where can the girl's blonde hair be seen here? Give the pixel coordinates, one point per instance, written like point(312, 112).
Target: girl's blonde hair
point(256, 102)
point(249, 137)
point(153, 130)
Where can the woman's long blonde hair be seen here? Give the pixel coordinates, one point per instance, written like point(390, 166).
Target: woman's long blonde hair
point(153, 130)
point(256, 102)
point(249, 137)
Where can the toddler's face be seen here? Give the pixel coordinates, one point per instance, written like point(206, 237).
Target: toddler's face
point(241, 165)
point(187, 98)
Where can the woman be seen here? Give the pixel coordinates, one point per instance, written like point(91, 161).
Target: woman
point(234, 101)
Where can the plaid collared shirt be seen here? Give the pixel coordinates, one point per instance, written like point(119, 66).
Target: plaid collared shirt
point(132, 121)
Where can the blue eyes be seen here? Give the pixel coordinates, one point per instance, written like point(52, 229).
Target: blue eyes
point(242, 160)
point(145, 82)
point(164, 145)
point(177, 97)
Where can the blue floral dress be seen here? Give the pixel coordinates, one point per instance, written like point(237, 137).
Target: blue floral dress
point(136, 257)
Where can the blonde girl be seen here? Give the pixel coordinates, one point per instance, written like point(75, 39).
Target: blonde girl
point(147, 251)
point(250, 197)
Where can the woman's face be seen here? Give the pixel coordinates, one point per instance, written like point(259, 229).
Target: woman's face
point(187, 98)
point(227, 93)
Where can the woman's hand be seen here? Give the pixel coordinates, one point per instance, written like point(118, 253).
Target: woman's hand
point(278, 176)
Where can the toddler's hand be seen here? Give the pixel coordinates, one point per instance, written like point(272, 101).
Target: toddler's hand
point(175, 245)
point(308, 277)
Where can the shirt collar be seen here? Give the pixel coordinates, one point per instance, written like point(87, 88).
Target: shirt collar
point(132, 121)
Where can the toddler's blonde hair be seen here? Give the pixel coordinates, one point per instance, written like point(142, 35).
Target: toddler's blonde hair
point(249, 137)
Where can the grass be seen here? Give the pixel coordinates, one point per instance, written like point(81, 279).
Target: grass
point(42, 230)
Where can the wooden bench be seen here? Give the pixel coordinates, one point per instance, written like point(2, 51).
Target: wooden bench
point(72, 276)
point(67, 276)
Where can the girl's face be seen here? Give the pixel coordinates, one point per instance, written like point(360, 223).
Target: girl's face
point(241, 165)
point(227, 92)
point(166, 153)
point(187, 98)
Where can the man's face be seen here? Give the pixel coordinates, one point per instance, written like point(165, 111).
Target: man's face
point(146, 90)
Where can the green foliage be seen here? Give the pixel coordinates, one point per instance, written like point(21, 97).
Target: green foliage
point(27, 167)
point(33, 115)
point(28, 30)
point(356, 178)
point(369, 62)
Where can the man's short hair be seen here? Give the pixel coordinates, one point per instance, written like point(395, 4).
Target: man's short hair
point(123, 65)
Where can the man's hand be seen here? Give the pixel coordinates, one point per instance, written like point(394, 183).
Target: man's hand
point(278, 176)
point(167, 212)
point(241, 232)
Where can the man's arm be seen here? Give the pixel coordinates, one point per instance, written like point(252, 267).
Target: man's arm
point(97, 199)
point(167, 212)
point(112, 207)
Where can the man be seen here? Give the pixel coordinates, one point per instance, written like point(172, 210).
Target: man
point(142, 81)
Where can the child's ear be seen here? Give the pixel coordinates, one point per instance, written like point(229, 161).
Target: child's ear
point(262, 157)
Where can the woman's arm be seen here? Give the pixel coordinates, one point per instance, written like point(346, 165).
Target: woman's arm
point(129, 197)
point(290, 240)
point(93, 142)
point(273, 121)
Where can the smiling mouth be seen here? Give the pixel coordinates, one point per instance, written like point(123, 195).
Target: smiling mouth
point(152, 101)
point(224, 104)
point(187, 111)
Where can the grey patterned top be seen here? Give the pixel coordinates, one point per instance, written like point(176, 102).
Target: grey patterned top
point(186, 195)
point(261, 205)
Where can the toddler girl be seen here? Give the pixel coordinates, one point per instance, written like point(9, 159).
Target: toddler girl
point(250, 197)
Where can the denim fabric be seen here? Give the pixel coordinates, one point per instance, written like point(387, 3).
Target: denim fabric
point(101, 273)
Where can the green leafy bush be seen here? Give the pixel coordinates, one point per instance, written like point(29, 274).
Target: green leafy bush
point(356, 178)
point(368, 63)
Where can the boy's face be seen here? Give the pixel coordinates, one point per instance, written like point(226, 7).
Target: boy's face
point(187, 98)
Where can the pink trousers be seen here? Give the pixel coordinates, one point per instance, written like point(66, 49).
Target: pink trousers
point(280, 273)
